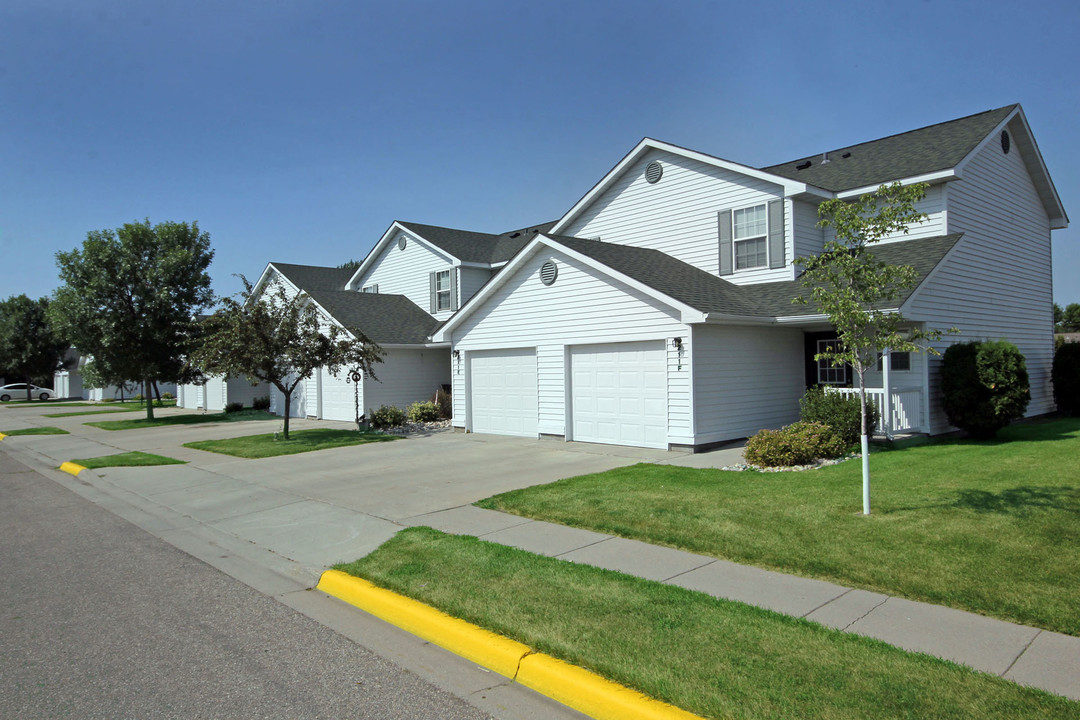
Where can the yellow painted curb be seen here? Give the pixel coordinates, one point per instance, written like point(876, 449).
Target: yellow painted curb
point(70, 467)
point(572, 686)
point(481, 646)
point(2, 436)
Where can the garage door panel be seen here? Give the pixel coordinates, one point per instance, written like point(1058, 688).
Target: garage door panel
point(338, 399)
point(503, 391)
point(620, 393)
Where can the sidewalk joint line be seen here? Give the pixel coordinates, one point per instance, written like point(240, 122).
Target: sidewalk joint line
point(684, 572)
point(831, 600)
point(582, 547)
point(887, 597)
point(1021, 653)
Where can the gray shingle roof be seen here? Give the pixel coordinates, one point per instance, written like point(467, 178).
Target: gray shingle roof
point(314, 277)
point(711, 294)
point(386, 319)
point(476, 247)
point(909, 154)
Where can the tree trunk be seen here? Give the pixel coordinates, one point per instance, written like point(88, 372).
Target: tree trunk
point(288, 409)
point(864, 443)
point(29, 391)
point(149, 399)
point(157, 392)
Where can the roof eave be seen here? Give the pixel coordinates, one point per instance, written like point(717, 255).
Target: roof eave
point(933, 178)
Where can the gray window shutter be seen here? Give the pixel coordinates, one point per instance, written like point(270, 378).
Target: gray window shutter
point(431, 280)
point(776, 234)
point(726, 261)
point(453, 289)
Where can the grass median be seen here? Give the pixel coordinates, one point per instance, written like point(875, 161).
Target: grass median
point(77, 413)
point(300, 441)
point(45, 430)
point(190, 419)
point(712, 657)
point(989, 527)
point(128, 459)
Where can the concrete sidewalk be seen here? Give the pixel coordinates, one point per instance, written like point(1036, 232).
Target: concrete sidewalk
point(283, 520)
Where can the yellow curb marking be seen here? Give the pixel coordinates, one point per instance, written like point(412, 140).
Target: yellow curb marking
point(70, 467)
point(2, 436)
point(573, 686)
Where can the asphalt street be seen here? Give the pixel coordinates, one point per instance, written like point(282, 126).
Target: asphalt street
point(100, 619)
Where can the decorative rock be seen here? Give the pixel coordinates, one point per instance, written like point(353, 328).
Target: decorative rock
point(820, 462)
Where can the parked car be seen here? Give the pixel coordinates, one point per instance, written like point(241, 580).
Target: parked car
point(18, 390)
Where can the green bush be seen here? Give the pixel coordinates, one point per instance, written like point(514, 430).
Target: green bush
point(1065, 374)
point(234, 407)
point(800, 443)
point(446, 407)
point(138, 398)
point(167, 396)
point(386, 416)
point(424, 411)
point(261, 403)
point(840, 412)
point(984, 386)
point(112, 399)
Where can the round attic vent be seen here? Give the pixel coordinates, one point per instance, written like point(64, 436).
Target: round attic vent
point(548, 272)
point(402, 242)
point(653, 172)
point(1005, 141)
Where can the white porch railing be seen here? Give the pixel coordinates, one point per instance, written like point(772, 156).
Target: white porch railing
point(905, 409)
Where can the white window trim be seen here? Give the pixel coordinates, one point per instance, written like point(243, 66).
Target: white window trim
point(736, 240)
point(373, 288)
point(441, 292)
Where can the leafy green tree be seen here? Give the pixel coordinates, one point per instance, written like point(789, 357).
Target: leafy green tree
point(29, 344)
point(129, 298)
point(278, 338)
point(1070, 318)
point(1059, 315)
point(858, 292)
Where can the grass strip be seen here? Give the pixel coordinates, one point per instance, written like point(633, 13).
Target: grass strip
point(300, 441)
point(89, 412)
point(44, 430)
point(963, 523)
point(192, 419)
point(713, 657)
point(128, 459)
point(64, 403)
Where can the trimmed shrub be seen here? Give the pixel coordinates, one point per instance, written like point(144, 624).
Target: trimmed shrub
point(234, 407)
point(138, 398)
point(167, 396)
point(1065, 374)
point(840, 412)
point(261, 403)
point(800, 443)
point(424, 411)
point(984, 386)
point(387, 416)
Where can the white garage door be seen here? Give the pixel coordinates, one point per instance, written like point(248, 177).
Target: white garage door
point(338, 401)
point(503, 390)
point(619, 394)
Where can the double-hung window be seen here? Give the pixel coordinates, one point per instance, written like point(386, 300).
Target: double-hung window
point(443, 292)
point(898, 361)
point(750, 234)
point(830, 372)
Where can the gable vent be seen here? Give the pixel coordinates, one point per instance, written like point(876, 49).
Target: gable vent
point(1005, 142)
point(402, 242)
point(548, 272)
point(653, 172)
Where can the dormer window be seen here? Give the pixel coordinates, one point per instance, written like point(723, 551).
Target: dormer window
point(371, 288)
point(751, 237)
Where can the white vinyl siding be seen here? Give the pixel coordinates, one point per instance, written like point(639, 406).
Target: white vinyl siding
point(809, 238)
point(746, 379)
point(582, 307)
point(997, 281)
point(242, 391)
point(677, 215)
point(935, 224)
point(471, 280)
point(407, 272)
point(406, 376)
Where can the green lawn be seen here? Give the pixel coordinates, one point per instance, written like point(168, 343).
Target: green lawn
point(46, 430)
point(992, 527)
point(300, 441)
point(133, 404)
point(193, 419)
point(128, 459)
point(90, 412)
point(713, 657)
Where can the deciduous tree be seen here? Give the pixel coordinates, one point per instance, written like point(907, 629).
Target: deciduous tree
point(129, 298)
point(279, 338)
point(858, 292)
point(29, 345)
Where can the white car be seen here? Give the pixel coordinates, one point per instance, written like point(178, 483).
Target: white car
point(18, 390)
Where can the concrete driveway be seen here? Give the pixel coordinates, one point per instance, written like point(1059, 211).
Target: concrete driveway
point(312, 510)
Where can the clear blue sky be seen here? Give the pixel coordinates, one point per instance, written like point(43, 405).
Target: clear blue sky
point(298, 131)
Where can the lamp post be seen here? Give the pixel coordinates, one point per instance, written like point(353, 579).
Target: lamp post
point(355, 376)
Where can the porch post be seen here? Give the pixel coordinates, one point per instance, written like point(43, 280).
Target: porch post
point(886, 386)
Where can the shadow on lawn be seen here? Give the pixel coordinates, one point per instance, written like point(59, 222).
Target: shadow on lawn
point(1020, 500)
